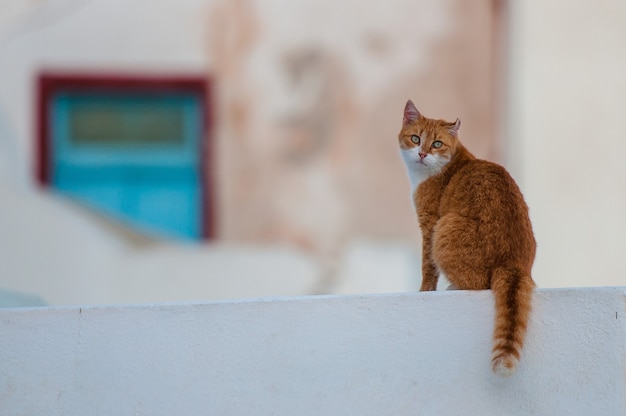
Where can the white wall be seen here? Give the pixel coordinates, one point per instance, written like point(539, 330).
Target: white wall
point(566, 138)
point(63, 254)
point(426, 354)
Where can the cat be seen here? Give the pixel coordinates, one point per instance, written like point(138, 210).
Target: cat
point(475, 227)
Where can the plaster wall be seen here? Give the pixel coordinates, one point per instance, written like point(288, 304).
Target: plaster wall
point(65, 255)
point(405, 354)
point(567, 100)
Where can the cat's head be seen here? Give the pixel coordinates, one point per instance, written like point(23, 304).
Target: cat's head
point(427, 145)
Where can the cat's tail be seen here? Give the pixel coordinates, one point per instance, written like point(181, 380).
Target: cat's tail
point(512, 290)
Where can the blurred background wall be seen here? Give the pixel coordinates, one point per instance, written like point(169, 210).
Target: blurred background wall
point(302, 168)
point(567, 97)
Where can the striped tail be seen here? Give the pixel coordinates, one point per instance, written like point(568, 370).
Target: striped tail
point(512, 290)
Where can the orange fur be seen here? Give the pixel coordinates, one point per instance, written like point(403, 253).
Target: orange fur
point(475, 227)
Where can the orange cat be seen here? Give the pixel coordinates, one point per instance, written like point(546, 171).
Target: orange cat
point(475, 227)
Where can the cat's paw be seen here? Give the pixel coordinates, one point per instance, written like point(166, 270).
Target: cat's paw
point(504, 365)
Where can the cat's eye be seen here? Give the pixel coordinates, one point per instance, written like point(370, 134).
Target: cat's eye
point(437, 144)
point(415, 139)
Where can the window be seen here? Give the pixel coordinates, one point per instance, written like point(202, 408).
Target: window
point(132, 148)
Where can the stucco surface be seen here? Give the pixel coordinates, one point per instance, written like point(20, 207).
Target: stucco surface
point(401, 354)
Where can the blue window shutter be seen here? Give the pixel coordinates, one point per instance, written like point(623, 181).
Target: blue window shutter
point(133, 156)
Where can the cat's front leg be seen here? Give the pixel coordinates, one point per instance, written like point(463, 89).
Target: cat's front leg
point(430, 273)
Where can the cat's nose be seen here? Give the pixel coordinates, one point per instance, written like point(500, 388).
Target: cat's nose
point(422, 155)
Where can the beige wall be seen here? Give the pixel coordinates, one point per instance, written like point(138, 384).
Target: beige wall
point(566, 142)
point(310, 97)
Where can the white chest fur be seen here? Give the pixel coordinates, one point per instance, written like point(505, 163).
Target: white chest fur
point(421, 168)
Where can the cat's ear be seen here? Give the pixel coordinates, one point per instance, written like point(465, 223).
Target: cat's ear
point(410, 113)
point(453, 128)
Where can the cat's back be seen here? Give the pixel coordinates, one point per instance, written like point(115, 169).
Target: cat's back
point(482, 188)
point(491, 204)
